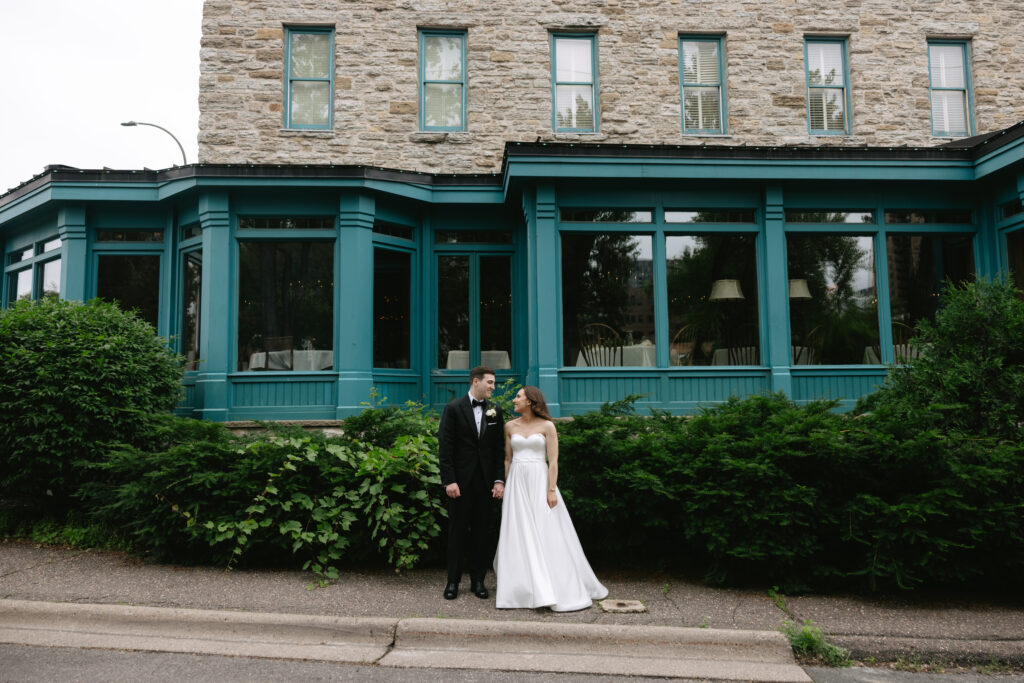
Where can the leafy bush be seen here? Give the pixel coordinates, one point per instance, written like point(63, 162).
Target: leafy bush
point(202, 494)
point(73, 378)
point(971, 364)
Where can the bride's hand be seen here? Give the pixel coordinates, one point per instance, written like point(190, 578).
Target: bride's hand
point(552, 499)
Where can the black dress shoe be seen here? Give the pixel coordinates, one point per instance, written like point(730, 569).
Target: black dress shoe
point(451, 591)
point(479, 590)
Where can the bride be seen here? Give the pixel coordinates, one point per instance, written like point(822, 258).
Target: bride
point(539, 561)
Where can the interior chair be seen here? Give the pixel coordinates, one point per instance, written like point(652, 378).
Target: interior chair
point(600, 345)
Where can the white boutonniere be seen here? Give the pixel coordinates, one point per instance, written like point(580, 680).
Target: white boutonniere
point(491, 412)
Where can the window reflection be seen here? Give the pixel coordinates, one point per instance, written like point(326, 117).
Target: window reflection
point(20, 285)
point(391, 308)
point(495, 311)
point(607, 299)
point(918, 265)
point(833, 300)
point(286, 305)
point(452, 309)
point(712, 299)
point(192, 289)
point(51, 278)
point(1015, 257)
point(133, 281)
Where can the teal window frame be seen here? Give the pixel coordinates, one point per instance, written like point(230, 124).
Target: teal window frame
point(847, 100)
point(424, 81)
point(593, 83)
point(35, 257)
point(720, 84)
point(290, 33)
point(964, 46)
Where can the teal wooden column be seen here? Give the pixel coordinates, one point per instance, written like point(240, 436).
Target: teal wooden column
point(212, 389)
point(542, 298)
point(353, 294)
point(74, 267)
point(776, 291)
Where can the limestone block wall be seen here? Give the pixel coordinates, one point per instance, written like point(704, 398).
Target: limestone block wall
point(241, 95)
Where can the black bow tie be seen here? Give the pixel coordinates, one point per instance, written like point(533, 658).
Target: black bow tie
point(479, 403)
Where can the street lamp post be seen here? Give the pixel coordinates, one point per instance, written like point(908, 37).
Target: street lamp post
point(184, 159)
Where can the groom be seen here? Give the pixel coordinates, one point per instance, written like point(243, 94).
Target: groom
point(471, 450)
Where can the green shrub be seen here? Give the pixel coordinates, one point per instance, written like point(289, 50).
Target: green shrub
point(618, 472)
point(382, 424)
point(73, 378)
point(971, 364)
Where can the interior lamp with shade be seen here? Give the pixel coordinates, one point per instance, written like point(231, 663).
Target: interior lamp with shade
point(798, 289)
point(726, 290)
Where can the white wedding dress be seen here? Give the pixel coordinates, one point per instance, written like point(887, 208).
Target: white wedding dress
point(539, 562)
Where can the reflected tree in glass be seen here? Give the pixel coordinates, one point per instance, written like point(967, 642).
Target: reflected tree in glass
point(452, 306)
point(840, 320)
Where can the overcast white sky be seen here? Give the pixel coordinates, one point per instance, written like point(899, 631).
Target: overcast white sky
point(72, 70)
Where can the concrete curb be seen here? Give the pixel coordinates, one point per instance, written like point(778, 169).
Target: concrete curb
point(162, 629)
point(707, 654)
point(1009, 651)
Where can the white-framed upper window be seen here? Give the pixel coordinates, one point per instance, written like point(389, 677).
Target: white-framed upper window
point(701, 79)
point(828, 93)
point(574, 82)
point(950, 83)
point(309, 77)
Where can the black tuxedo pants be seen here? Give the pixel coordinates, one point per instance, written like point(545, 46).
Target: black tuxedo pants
point(469, 520)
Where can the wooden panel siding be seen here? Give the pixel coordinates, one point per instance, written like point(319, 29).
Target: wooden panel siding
point(597, 390)
point(844, 386)
point(399, 391)
point(286, 392)
point(704, 388)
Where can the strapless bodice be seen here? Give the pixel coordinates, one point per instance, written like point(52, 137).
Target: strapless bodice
point(532, 448)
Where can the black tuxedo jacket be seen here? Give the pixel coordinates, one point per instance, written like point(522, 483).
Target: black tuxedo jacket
point(460, 450)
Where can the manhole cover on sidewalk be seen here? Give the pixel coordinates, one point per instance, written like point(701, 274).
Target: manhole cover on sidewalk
point(623, 606)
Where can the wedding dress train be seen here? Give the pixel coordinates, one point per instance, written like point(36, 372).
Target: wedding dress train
point(539, 562)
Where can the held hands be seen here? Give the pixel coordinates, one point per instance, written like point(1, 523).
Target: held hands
point(498, 491)
point(552, 499)
point(452, 490)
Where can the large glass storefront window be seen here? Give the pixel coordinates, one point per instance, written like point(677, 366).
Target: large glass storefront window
point(474, 311)
point(51, 278)
point(607, 299)
point(133, 281)
point(918, 266)
point(392, 305)
point(712, 299)
point(833, 301)
point(191, 301)
point(286, 305)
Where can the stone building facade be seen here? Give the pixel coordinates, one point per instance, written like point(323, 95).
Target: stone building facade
point(508, 67)
point(392, 192)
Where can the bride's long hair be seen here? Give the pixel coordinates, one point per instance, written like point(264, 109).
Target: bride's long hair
point(537, 403)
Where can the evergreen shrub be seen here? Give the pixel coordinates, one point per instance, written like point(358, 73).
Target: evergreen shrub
point(74, 377)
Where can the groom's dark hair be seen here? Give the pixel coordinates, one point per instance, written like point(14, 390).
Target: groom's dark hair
point(478, 373)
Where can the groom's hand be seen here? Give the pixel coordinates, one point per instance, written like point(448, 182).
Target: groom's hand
point(499, 490)
point(452, 490)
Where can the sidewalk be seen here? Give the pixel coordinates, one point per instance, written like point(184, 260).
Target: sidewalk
point(955, 630)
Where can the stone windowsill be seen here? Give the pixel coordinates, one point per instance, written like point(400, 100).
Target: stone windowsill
point(305, 133)
point(438, 136)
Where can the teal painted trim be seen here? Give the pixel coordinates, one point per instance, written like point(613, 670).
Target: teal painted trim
point(847, 99)
point(217, 307)
point(968, 90)
point(884, 310)
point(462, 82)
point(774, 292)
point(544, 251)
point(1003, 157)
point(719, 84)
point(353, 321)
point(24, 205)
point(660, 274)
point(546, 168)
point(593, 83)
point(75, 270)
point(290, 33)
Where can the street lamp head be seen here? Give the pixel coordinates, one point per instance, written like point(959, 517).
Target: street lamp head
point(129, 123)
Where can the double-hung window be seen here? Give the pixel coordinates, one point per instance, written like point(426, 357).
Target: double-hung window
point(574, 76)
point(950, 82)
point(700, 76)
point(828, 94)
point(442, 80)
point(309, 79)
